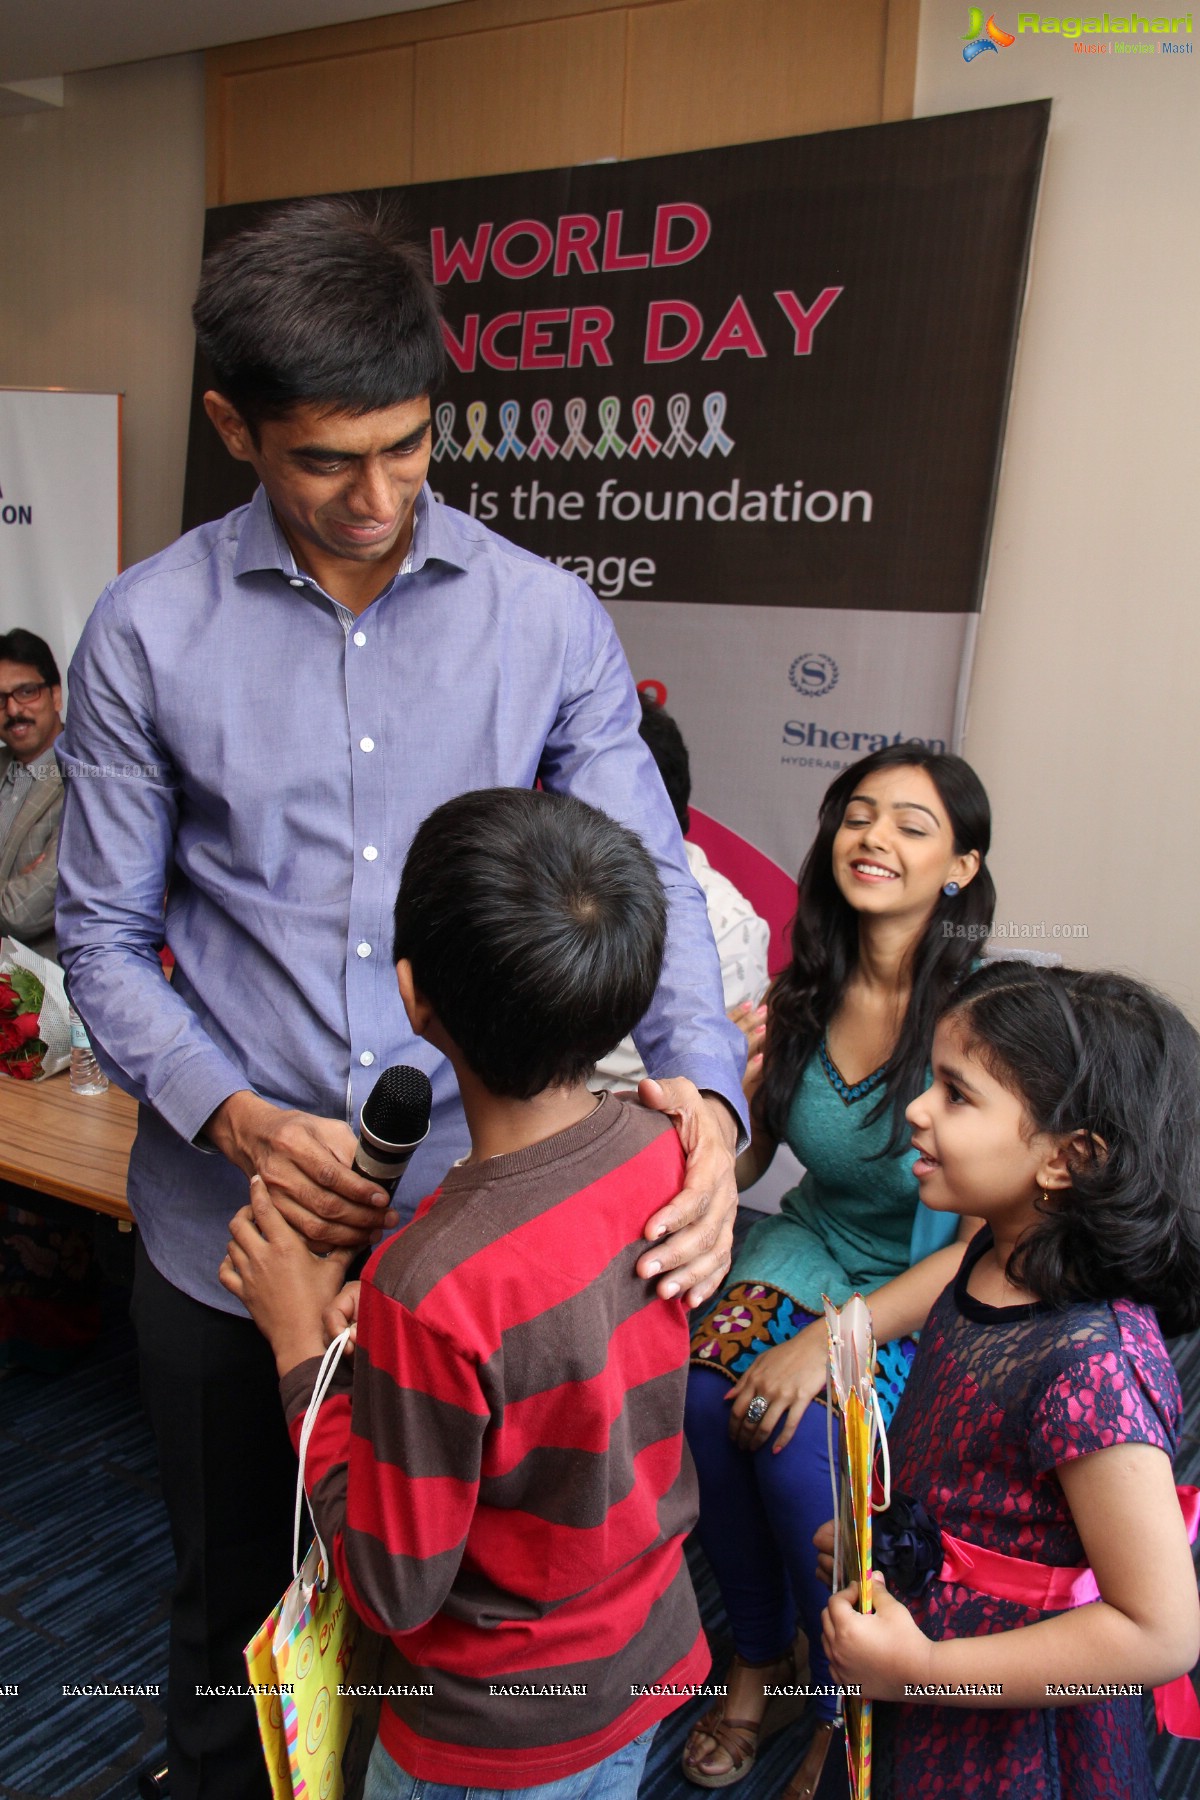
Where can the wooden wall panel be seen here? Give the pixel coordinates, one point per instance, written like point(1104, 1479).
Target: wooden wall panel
point(487, 86)
point(704, 72)
point(318, 127)
point(532, 97)
point(900, 59)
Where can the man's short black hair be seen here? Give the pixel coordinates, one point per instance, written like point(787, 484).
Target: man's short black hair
point(665, 741)
point(322, 303)
point(21, 646)
point(535, 928)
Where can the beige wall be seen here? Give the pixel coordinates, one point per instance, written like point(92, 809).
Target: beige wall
point(491, 86)
point(1083, 717)
point(101, 216)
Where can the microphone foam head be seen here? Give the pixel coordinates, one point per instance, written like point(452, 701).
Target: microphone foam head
point(397, 1108)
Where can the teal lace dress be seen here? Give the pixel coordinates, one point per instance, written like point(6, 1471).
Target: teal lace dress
point(854, 1222)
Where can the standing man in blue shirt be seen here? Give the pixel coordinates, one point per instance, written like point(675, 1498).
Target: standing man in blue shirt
point(260, 718)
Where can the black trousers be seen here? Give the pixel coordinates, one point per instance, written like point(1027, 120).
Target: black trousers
point(229, 1476)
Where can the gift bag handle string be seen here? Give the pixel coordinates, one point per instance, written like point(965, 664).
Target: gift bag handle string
point(324, 1381)
point(876, 1412)
point(882, 1448)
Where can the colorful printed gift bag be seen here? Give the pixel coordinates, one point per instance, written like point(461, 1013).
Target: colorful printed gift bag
point(317, 1740)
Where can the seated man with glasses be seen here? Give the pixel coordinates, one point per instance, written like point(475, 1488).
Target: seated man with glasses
point(31, 789)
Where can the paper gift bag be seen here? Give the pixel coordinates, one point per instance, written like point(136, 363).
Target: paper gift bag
point(850, 1386)
point(317, 1741)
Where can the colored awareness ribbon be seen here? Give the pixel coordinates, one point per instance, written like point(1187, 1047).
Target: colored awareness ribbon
point(445, 445)
point(543, 444)
point(575, 412)
point(714, 417)
point(643, 418)
point(477, 444)
point(510, 444)
point(678, 408)
point(609, 410)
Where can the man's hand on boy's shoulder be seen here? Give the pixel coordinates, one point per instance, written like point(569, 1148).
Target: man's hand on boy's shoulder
point(693, 1235)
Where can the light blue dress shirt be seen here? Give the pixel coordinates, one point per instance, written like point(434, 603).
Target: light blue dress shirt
point(240, 743)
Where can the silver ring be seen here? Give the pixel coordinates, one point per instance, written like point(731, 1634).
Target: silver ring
point(756, 1409)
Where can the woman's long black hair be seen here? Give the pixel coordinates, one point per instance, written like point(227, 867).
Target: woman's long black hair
point(825, 942)
point(1102, 1055)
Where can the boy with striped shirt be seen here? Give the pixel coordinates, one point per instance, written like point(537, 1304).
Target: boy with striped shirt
point(504, 1488)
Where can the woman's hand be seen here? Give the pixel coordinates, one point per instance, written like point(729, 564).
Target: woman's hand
point(880, 1652)
point(787, 1377)
point(751, 1021)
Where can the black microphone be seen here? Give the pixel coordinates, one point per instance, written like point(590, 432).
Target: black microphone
point(395, 1119)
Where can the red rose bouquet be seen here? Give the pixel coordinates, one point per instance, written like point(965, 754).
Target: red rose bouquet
point(35, 1026)
point(21, 999)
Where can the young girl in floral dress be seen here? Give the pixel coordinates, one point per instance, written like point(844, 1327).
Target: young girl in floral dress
point(1033, 1445)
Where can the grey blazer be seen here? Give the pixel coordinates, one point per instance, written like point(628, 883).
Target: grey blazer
point(27, 891)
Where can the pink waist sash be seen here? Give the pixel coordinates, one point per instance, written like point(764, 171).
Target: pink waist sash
point(1049, 1589)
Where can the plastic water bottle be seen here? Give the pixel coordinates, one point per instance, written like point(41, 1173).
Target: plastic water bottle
point(87, 1077)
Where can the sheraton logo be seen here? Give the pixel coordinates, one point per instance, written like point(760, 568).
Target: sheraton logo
point(813, 674)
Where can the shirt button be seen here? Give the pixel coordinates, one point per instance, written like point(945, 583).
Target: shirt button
point(360, 638)
point(364, 949)
point(367, 1058)
point(370, 853)
point(366, 743)
point(295, 582)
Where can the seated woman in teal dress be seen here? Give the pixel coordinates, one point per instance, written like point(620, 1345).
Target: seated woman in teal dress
point(894, 899)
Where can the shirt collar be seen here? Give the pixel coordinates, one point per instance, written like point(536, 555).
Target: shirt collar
point(261, 545)
point(31, 771)
point(47, 759)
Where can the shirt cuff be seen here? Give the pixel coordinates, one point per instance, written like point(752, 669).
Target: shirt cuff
point(193, 1092)
point(711, 1076)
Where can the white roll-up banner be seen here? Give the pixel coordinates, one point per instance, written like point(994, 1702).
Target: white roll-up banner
point(60, 509)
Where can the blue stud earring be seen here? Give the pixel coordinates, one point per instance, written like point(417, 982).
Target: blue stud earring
point(950, 889)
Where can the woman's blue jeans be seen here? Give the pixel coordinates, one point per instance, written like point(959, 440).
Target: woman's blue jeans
point(758, 1513)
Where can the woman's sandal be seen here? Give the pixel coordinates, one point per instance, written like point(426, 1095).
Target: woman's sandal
point(807, 1779)
point(736, 1738)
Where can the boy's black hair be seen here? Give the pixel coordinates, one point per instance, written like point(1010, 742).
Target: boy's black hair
point(664, 740)
point(21, 646)
point(535, 928)
point(806, 995)
point(1097, 1052)
point(322, 303)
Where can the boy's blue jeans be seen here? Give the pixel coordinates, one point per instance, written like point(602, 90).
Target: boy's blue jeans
point(616, 1778)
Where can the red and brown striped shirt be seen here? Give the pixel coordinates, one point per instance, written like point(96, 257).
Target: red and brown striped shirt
point(506, 1491)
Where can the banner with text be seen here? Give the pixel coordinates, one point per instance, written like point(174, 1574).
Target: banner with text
point(60, 509)
point(755, 397)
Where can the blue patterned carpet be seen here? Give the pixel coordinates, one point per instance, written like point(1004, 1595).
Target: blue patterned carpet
point(87, 1568)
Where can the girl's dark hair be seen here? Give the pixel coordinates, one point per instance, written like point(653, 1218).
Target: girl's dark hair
point(1100, 1053)
point(825, 941)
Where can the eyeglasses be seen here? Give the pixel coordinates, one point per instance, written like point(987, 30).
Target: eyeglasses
point(28, 690)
